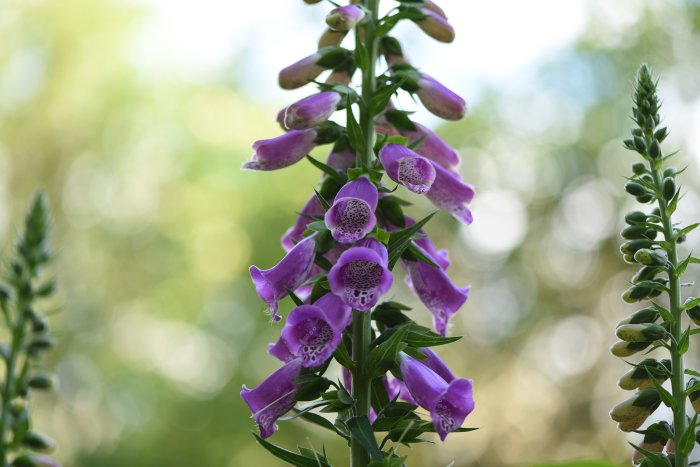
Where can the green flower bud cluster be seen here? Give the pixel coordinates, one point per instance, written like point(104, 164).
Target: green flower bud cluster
point(633, 412)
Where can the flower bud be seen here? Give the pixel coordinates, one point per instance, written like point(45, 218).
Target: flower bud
point(343, 77)
point(34, 460)
point(439, 100)
point(436, 26)
point(694, 312)
point(651, 257)
point(633, 412)
point(311, 2)
point(625, 349)
point(639, 168)
point(41, 382)
point(331, 38)
point(638, 377)
point(645, 198)
point(391, 49)
point(694, 396)
point(669, 188)
point(633, 232)
point(639, 144)
point(39, 442)
point(660, 134)
point(635, 189)
point(637, 293)
point(632, 246)
point(635, 217)
point(345, 17)
point(646, 273)
point(670, 447)
point(655, 437)
point(311, 111)
point(643, 332)
point(645, 315)
point(655, 149)
point(307, 69)
point(670, 171)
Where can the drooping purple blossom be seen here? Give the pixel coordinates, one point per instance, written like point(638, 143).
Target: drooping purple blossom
point(404, 166)
point(436, 25)
point(274, 397)
point(436, 290)
point(439, 100)
point(344, 18)
point(313, 332)
point(351, 216)
point(272, 284)
point(295, 233)
point(451, 194)
point(308, 68)
point(441, 257)
point(311, 111)
point(341, 159)
point(280, 350)
point(395, 387)
point(432, 146)
point(449, 402)
point(361, 275)
point(282, 151)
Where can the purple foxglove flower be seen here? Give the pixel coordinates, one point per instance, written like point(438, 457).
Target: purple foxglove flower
point(311, 111)
point(436, 26)
point(313, 332)
point(343, 77)
point(272, 284)
point(435, 289)
point(280, 349)
point(441, 257)
point(406, 167)
point(309, 212)
point(331, 38)
point(308, 68)
point(352, 215)
point(273, 397)
point(396, 387)
point(341, 159)
point(283, 151)
point(361, 275)
point(449, 402)
point(439, 100)
point(450, 194)
point(432, 6)
point(345, 17)
point(280, 118)
point(432, 146)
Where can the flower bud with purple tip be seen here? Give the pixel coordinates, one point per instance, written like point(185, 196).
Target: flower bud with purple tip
point(351, 216)
point(272, 284)
point(345, 17)
point(451, 194)
point(361, 275)
point(406, 167)
point(331, 38)
point(436, 26)
point(439, 100)
point(274, 397)
point(449, 402)
point(311, 111)
point(308, 68)
point(282, 151)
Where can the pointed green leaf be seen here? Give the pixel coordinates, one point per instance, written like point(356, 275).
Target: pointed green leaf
point(361, 430)
point(401, 239)
point(290, 457)
point(687, 441)
point(355, 135)
point(334, 174)
point(684, 342)
point(665, 396)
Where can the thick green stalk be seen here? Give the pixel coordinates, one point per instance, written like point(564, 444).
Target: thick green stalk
point(361, 322)
point(677, 368)
point(8, 388)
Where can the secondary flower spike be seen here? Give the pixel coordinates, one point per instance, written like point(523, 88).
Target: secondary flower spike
point(449, 402)
point(282, 151)
point(313, 332)
point(352, 215)
point(406, 167)
point(451, 194)
point(273, 397)
point(361, 276)
point(311, 111)
point(272, 284)
point(436, 290)
point(345, 17)
point(439, 100)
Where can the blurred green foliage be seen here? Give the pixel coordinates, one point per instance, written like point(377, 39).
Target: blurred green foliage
point(156, 226)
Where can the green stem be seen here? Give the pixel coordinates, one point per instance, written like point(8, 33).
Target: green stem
point(677, 369)
point(369, 80)
point(8, 388)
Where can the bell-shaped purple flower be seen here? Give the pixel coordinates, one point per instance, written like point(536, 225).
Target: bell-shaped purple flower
point(311, 210)
point(406, 167)
point(436, 290)
point(351, 216)
point(313, 332)
point(311, 111)
point(441, 257)
point(361, 275)
point(449, 402)
point(432, 146)
point(396, 387)
point(344, 18)
point(436, 26)
point(451, 194)
point(439, 100)
point(341, 159)
point(272, 284)
point(273, 397)
point(283, 151)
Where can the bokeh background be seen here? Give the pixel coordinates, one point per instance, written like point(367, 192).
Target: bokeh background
point(135, 116)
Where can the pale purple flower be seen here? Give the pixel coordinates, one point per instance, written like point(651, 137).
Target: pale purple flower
point(430, 5)
point(436, 26)
point(451, 194)
point(311, 111)
point(274, 397)
point(311, 210)
point(432, 146)
point(406, 167)
point(341, 159)
point(344, 18)
point(280, 118)
point(439, 100)
point(436, 290)
point(272, 284)
point(313, 332)
point(361, 275)
point(280, 349)
point(351, 216)
point(396, 387)
point(449, 402)
point(283, 151)
point(308, 68)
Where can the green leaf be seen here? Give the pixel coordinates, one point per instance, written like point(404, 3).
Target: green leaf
point(695, 387)
point(361, 430)
point(401, 239)
point(687, 440)
point(673, 204)
point(322, 262)
point(297, 301)
point(383, 357)
point(419, 336)
point(290, 457)
point(400, 120)
point(691, 304)
point(665, 396)
point(655, 459)
point(381, 98)
point(342, 356)
point(380, 398)
point(334, 174)
point(355, 135)
point(413, 253)
point(684, 342)
point(665, 314)
point(390, 314)
point(686, 230)
point(692, 373)
point(389, 209)
point(361, 55)
point(322, 200)
point(415, 353)
point(317, 226)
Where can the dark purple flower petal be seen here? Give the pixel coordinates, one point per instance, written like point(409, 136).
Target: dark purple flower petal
point(432, 146)
point(311, 111)
point(272, 284)
point(436, 290)
point(294, 234)
point(273, 397)
point(424, 385)
point(436, 364)
point(361, 276)
point(451, 194)
point(283, 151)
point(352, 215)
point(406, 167)
point(451, 408)
point(439, 100)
